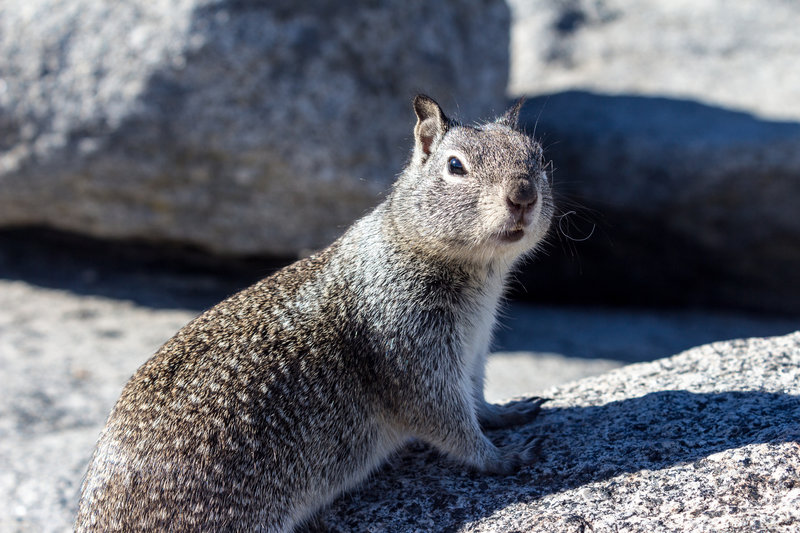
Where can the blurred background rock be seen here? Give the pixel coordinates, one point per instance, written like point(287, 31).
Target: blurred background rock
point(237, 127)
point(263, 129)
point(677, 125)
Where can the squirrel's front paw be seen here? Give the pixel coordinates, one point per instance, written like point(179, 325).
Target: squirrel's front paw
point(512, 457)
point(515, 413)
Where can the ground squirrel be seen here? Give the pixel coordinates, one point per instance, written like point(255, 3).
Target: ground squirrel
point(262, 410)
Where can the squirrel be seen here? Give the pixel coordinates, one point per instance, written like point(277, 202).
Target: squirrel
point(262, 410)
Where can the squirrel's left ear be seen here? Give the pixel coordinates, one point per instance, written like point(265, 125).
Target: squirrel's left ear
point(431, 125)
point(511, 117)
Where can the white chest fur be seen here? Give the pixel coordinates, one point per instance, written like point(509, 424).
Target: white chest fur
point(477, 330)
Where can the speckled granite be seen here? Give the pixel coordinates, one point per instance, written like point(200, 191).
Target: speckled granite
point(706, 440)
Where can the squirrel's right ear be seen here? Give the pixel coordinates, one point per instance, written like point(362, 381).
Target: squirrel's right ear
point(511, 117)
point(431, 125)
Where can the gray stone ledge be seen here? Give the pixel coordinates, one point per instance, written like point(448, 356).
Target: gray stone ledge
point(706, 440)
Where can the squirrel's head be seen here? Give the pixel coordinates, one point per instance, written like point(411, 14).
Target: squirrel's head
point(473, 193)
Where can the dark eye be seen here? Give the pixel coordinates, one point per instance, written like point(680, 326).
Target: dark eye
point(455, 166)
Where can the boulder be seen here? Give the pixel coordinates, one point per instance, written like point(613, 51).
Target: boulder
point(679, 203)
point(740, 56)
point(674, 130)
point(706, 440)
point(237, 127)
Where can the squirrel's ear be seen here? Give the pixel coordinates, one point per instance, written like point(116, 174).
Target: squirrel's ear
point(511, 117)
point(431, 124)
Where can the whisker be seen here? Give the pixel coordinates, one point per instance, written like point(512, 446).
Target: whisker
point(567, 235)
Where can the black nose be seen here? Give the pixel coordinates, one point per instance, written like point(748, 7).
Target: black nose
point(521, 199)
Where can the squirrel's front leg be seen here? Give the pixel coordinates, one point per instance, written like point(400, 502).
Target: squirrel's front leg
point(450, 424)
point(494, 416)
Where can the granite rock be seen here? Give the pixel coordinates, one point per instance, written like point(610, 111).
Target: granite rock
point(707, 440)
point(674, 131)
point(670, 201)
point(238, 127)
point(739, 56)
point(63, 360)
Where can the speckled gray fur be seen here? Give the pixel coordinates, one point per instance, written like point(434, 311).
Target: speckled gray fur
point(267, 406)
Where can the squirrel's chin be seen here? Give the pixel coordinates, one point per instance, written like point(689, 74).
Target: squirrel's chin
point(509, 236)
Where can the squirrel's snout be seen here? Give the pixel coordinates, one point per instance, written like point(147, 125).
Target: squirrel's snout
point(521, 199)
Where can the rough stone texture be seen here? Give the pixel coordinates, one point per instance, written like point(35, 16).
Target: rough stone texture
point(707, 440)
point(240, 127)
point(65, 355)
point(63, 359)
point(676, 126)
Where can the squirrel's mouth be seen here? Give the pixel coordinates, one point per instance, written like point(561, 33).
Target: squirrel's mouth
point(512, 235)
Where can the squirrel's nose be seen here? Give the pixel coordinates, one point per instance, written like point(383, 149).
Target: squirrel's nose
point(521, 199)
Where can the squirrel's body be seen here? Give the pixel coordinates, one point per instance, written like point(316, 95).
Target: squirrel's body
point(269, 405)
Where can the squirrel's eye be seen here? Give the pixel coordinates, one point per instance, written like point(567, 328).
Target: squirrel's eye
point(455, 166)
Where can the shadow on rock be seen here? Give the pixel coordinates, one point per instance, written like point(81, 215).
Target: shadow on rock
point(668, 201)
point(151, 275)
point(579, 446)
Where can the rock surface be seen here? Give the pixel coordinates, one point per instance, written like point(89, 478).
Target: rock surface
point(65, 355)
point(676, 128)
point(708, 440)
point(682, 202)
point(63, 359)
point(239, 127)
point(738, 56)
